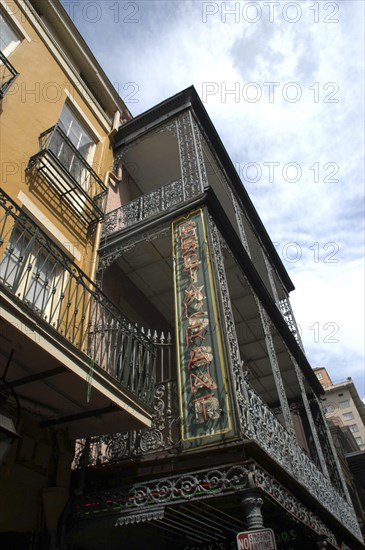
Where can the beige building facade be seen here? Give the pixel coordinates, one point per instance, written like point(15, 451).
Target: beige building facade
point(343, 401)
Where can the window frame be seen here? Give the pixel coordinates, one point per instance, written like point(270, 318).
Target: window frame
point(85, 130)
point(83, 126)
point(353, 428)
point(14, 43)
point(18, 30)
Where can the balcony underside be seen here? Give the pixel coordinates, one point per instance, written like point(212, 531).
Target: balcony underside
point(55, 382)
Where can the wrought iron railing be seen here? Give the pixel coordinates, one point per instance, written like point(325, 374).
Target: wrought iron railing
point(150, 500)
point(125, 446)
point(265, 429)
point(146, 206)
point(42, 277)
point(165, 431)
point(259, 423)
point(69, 174)
point(177, 488)
point(7, 75)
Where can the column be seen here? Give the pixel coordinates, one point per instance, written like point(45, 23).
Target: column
point(251, 502)
point(192, 163)
point(310, 417)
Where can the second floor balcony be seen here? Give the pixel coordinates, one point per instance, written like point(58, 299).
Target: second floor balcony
point(7, 74)
point(50, 305)
point(69, 174)
point(144, 208)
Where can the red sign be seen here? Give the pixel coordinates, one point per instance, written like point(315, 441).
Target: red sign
point(262, 539)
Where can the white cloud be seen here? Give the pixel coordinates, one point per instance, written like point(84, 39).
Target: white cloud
point(170, 48)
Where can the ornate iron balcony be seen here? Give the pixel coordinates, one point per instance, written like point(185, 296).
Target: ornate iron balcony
point(70, 175)
point(145, 207)
point(41, 276)
point(7, 75)
point(258, 423)
point(164, 435)
point(265, 429)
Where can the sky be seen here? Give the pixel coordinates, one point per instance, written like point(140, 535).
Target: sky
point(283, 84)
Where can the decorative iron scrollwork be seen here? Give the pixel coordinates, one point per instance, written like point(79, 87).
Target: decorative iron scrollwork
point(290, 503)
point(195, 485)
point(162, 436)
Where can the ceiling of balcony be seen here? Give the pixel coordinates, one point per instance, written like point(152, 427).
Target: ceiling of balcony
point(251, 339)
point(154, 161)
point(147, 279)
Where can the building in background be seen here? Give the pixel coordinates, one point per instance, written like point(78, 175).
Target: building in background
point(352, 462)
point(239, 440)
point(63, 373)
point(343, 401)
point(345, 413)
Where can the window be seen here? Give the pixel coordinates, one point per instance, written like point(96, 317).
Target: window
point(9, 37)
point(319, 375)
point(329, 409)
point(344, 404)
point(358, 440)
point(30, 271)
point(73, 145)
point(353, 428)
point(348, 416)
point(80, 139)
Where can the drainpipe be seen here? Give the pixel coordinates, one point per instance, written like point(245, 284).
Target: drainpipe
point(98, 234)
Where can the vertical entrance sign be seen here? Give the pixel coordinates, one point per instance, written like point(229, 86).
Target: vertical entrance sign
point(204, 399)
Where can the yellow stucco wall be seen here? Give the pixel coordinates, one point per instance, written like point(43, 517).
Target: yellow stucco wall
point(32, 105)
